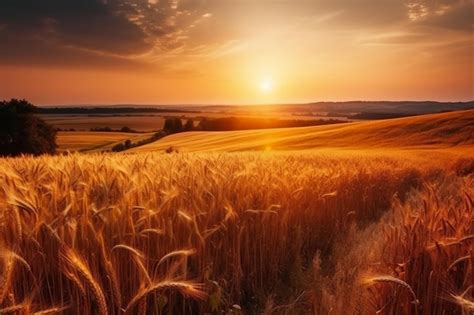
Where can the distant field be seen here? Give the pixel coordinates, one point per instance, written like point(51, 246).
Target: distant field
point(85, 122)
point(86, 141)
point(153, 122)
point(426, 131)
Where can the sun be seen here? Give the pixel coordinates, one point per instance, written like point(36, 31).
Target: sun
point(266, 85)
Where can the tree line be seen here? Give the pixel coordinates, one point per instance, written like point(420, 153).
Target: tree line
point(175, 124)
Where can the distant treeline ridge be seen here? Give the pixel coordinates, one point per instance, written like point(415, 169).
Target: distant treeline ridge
point(233, 123)
point(108, 110)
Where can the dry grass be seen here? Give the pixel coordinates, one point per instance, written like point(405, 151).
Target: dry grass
point(279, 233)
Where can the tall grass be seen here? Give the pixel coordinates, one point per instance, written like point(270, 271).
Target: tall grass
point(244, 232)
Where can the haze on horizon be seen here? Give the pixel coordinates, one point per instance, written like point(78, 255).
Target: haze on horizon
point(236, 51)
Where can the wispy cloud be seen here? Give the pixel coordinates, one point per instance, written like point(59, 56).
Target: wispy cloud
point(447, 14)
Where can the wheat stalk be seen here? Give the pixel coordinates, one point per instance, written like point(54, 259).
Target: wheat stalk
point(6, 280)
point(186, 288)
point(52, 310)
point(76, 263)
point(465, 304)
point(390, 279)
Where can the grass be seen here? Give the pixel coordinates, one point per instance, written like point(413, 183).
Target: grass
point(270, 232)
point(421, 132)
point(94, 141)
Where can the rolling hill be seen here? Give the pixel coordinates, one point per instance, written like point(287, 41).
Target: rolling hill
point(94, 141)
point(434, 131)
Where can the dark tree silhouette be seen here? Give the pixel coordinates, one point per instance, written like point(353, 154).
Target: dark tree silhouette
point(173, 125)
point(189, 125)
point(241, 123)
point(118, 147)
point(21, 132)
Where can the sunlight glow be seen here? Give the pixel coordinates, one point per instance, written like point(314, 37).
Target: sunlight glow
point(266, 85)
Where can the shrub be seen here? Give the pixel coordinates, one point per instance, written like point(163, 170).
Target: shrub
point(118, 147)
point(127, 129)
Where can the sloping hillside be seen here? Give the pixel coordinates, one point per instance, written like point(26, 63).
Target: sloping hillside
point(427, 131)
point(94, 141)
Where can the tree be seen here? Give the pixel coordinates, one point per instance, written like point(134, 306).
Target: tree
point(173, 125)
point(189, 125)
point(203, 124)
point(21, 132)
point(178, 125)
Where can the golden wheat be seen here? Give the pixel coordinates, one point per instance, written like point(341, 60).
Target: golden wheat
point(242, 232)
point(75, 262)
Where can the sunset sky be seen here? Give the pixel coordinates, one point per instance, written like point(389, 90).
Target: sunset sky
point(235, 51)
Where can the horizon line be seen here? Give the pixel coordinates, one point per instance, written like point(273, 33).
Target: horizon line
point(246, 104)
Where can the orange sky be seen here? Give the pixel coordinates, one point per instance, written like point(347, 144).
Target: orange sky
point(236, 51)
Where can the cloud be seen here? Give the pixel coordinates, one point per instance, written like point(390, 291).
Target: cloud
point(49, 31)
point(30, 51)
point(455, 14)
point(141, 33)
point(393, 38)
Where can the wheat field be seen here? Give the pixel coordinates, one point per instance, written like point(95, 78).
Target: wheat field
point(95, 141)
point(433, 131)
point(323, 232)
